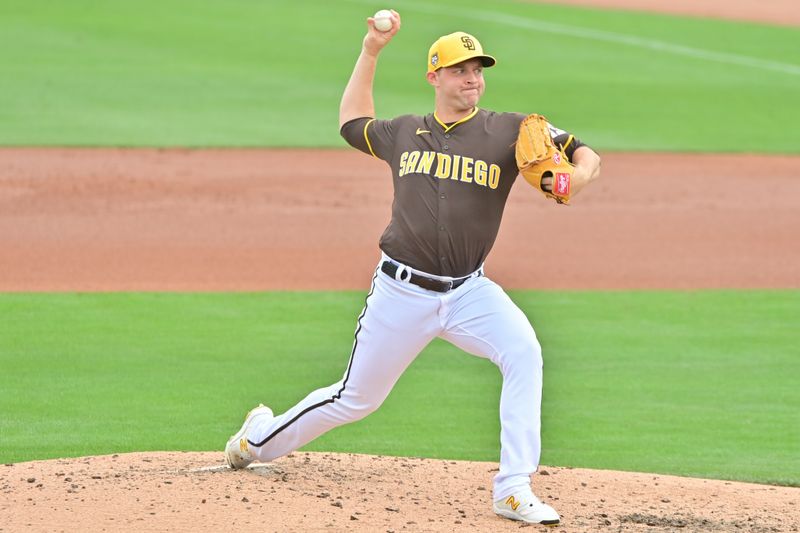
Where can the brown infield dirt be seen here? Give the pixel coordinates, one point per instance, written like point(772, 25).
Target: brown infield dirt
point(250, 220)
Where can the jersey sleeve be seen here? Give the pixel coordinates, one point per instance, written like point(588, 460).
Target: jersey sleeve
point(372, 136)
point(565, 141)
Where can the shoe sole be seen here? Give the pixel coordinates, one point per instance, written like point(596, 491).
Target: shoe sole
point(514, 516)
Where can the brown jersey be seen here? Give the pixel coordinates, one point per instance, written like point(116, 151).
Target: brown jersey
point(451, 183)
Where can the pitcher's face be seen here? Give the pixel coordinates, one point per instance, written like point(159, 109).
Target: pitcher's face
point(461, 85)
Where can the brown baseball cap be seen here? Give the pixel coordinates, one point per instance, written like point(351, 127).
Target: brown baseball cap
point(455, 48)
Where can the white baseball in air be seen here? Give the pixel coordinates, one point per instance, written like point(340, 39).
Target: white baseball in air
point(383, 20)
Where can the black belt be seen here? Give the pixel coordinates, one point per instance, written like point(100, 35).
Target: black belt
point(436, 285)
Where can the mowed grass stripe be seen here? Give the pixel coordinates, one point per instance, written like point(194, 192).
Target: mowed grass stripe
point(691, 383)
point(527, 22)
point(241, 73)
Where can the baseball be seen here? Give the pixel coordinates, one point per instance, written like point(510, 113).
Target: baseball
point(383, 20)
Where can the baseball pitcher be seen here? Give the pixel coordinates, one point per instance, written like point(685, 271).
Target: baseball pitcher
point(452, 171)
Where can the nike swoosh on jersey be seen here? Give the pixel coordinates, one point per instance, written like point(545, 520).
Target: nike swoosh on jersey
point(421, 131)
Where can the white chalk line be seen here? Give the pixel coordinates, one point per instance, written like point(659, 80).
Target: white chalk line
point(527, 23)
point(257, 468)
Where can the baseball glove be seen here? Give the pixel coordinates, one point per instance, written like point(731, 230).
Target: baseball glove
point(539, 157)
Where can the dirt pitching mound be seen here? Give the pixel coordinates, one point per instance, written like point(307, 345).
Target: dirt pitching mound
point(335, 492)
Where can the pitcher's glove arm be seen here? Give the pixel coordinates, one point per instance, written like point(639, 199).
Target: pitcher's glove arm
point(545, 156)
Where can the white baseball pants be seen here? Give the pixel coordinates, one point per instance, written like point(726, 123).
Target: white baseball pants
point(399, 319)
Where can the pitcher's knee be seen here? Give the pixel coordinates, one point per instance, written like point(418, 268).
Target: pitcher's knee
point(522, 354)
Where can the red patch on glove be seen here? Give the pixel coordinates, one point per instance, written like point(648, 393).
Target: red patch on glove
point(561, 186)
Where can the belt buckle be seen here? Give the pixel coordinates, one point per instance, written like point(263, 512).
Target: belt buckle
point(449, 285)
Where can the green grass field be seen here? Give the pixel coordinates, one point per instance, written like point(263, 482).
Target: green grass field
point(244, 73)
point(693, 383)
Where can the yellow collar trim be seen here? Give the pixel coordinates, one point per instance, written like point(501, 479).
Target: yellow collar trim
point(448, 128)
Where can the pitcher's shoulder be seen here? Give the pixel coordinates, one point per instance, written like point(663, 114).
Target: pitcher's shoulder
point(503, 117)
point(495, 121)
point(409, 119)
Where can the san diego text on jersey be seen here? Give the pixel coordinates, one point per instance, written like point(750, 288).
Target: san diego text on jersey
point(446, 166)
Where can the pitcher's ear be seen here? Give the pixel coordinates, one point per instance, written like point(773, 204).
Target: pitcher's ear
point(432, 77)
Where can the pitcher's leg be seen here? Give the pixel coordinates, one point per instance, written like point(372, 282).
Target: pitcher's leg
point(520, 416)
point(393, 328)
point(485, 322)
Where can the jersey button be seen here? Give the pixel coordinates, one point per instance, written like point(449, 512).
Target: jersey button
point(441, 196)
point(441, 228)
point(446, 135)
point(445, 147)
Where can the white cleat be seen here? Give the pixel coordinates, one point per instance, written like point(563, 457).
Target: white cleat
point(524, 506)
point(237, 451)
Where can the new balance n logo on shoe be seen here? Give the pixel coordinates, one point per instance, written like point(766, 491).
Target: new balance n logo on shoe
point(512, 502)
point(243, 444)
